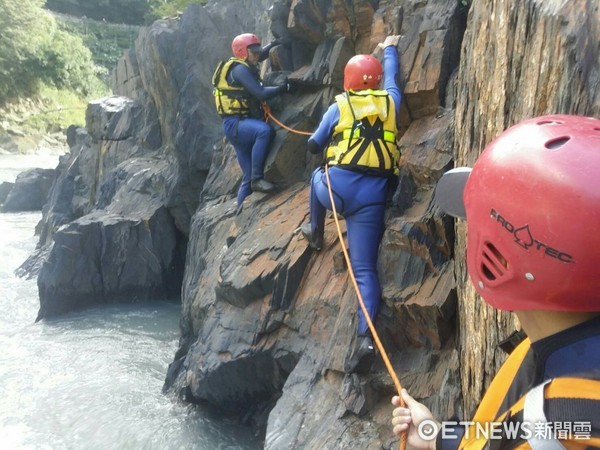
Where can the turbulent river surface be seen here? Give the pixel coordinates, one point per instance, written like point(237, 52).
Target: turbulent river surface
point(92, 379)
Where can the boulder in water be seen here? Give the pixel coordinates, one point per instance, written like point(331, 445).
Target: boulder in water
point(5, 188)
point(30, 191)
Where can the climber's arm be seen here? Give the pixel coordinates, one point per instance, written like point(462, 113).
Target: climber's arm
point(319, 140)
point(242, 75)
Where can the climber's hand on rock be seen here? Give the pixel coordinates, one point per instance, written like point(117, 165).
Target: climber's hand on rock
point(288, 86)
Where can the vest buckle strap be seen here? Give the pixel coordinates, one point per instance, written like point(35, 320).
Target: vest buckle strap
point(388, 136)
point(533, 412)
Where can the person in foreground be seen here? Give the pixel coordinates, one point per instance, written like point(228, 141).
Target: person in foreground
point(238, 96)
point(359, 134)
point(532, 208)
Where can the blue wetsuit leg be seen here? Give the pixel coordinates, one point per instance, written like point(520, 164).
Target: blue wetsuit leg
point(361, 200)
point(365, 230)
point(263, 134)
point(251, 139)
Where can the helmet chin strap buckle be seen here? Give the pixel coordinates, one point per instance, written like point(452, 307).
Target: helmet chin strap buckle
point(512, 341)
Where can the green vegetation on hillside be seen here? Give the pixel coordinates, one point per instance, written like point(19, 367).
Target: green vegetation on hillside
point(47, 75)
point(56, 108)
point(165, 8)
point(34, 52)
point(52, 65)
point(106, 41)
point(135, 12)
point(115, 11)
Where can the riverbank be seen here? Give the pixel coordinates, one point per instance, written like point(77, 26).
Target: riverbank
point(36, 126)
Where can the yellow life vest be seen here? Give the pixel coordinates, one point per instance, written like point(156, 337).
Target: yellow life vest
point(529, 409)
point(365, 136)
point(230, 100)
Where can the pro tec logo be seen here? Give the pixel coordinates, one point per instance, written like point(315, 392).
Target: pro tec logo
point(525, 239)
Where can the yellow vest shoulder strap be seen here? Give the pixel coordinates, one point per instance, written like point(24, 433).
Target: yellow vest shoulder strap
point(495, 394)
point(494, 397)
point(219, 79)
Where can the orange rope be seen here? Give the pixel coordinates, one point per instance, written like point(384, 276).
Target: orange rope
point(269, 115)
point(361, 302)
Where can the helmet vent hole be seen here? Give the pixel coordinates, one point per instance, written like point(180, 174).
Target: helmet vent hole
point(493, 264)
point(487, 272)
point(557, 143)
point(550, 122)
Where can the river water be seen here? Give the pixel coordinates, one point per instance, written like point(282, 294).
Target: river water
point(92, 379)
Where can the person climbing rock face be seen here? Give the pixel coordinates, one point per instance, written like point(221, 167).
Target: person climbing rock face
point(532, 207)
point(358, 133)
point(238, 96)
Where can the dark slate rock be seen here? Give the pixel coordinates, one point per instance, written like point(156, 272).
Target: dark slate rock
point(117, 118)
point(72, 194)
point(30, 191)
point(126, 252)
point(104, 258)
point(121, 130)
point(5, 188)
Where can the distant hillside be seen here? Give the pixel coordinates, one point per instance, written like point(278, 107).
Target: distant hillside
point(116, 11)
point(106, 41)
point(133, 12)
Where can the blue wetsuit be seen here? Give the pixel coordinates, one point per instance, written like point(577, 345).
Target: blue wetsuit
point(249, 135)
point(359, 197)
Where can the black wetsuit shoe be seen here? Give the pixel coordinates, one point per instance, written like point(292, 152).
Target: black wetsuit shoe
point(314, 241)
point(262, 185)
point(362, 357)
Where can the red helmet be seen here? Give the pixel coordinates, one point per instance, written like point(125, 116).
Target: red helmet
point(240, 44)
point(362, 72)
point(532, 203)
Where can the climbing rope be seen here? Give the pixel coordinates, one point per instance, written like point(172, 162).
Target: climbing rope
point(361, 302)
point(269, 115)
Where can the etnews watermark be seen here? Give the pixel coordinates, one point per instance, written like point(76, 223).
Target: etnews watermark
point(429, 429)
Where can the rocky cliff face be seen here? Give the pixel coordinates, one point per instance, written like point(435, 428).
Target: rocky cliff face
point(144, 205)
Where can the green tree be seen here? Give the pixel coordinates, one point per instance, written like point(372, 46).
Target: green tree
point(65, 62)
point(19, 46)
point(115, 11)
point(33, 50)
point(164, 8)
